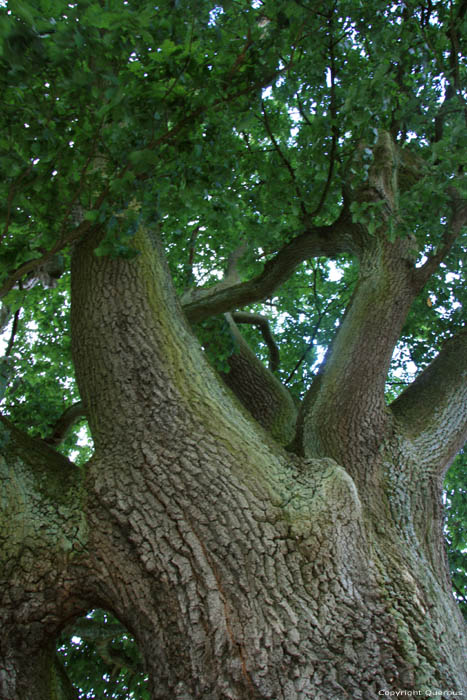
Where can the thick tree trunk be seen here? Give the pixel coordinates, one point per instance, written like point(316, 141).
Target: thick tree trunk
point(243, 571)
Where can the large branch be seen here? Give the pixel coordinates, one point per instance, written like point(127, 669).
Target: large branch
point(433, 409)
point(330, 241)
point(43, 560)
point(135, 348)
point(258, 389)
point(344, 415)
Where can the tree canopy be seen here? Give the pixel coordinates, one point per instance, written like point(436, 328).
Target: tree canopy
point(275, 148)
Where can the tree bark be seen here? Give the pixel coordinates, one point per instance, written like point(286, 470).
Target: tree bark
point(259, 390)
point(43, 554)
point(243, 571)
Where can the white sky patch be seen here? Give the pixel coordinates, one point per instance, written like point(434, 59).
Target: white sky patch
point(335, 274)
point(409, 369)
point(4, 338)
point(214, 14)
point(83, 440)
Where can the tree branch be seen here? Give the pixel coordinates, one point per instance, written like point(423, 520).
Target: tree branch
point(5, 315)
point(344, 414)
point(263, 325)
point(14, 330)
point(286, 162)
point(75, 234)
point(64, 424)
point(334, 128)
point(329, 241)
point(31, 265)
point(260, 391)
point(433, 409)
point(453, 229)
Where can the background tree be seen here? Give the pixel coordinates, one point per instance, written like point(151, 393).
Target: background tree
point(261, 504)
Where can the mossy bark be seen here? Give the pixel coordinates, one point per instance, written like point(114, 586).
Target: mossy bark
point(243, 571)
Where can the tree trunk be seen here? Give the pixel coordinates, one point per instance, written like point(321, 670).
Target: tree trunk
point(242, 570)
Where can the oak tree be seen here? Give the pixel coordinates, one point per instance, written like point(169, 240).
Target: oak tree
point(231, 250)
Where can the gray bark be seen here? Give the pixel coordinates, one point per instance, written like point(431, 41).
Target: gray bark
point(243, 571)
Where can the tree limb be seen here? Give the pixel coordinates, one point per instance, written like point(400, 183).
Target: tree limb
point(231, 273)
point(286, 162)
point(263, 324)
point(14, 330)
point(329, 241)
point(64, 424)
point(346, 400)
point(259, 390)
point(334, 128)
point(433, 409)
point(453, 229)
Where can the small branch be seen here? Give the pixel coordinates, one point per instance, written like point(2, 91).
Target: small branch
point(64, 424)
point(191, 257)
point(171, 132)
point(263, 324)
point(14, 330)
point(284, 160)
point(453, 229)
point(453, 86)
point(334, 129)
point(240, 58)
point(307, 349)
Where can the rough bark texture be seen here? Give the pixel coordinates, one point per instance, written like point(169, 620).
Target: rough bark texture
point(243, 571)
point(42, 572)
point(268, 401)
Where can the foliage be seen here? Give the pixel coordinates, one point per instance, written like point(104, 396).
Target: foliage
point(102, 659)
point(221, 125)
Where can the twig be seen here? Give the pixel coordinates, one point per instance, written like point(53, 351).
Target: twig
point(284, 160)
point(307, 349)
point(14, 330)
point(334, 129)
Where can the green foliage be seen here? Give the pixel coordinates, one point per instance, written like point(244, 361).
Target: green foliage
point(215, 338)
point(40, 369)
point(102, 658)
